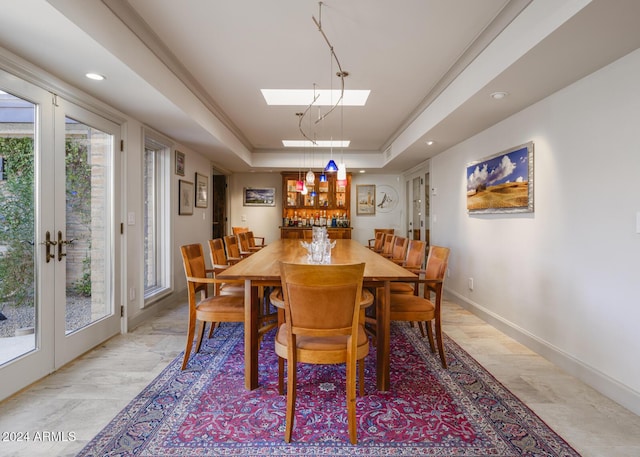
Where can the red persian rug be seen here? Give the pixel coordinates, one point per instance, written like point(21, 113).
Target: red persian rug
point(429, 411)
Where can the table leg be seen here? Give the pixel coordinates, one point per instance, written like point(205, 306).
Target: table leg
point(383, 323)
point(251, 304)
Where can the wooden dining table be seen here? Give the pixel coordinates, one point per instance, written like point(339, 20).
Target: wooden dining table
point(262, 268)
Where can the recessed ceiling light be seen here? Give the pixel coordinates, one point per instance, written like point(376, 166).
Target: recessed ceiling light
point(318, 144)
point(430, 142)
point(499, 95)
point(95, 76)
point(304, 97)
point(363, 171)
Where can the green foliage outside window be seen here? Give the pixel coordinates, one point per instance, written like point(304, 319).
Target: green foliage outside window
point(16, 221)
point(17, 233)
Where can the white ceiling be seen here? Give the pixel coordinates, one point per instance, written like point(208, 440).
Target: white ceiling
point(193, 69)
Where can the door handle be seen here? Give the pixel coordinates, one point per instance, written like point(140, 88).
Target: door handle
point(48, 243)
point(60, 243)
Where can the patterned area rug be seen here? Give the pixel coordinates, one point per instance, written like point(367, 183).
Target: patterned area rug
point(429, 411)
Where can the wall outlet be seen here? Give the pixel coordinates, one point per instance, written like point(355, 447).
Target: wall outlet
point(470, 283)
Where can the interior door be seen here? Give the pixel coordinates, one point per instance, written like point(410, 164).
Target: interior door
point(59, 239)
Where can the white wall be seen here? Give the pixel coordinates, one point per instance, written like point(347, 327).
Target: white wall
point(564, 280)
point(195, 228)
point(186, 229)
point(363, 226)
point(262, 220)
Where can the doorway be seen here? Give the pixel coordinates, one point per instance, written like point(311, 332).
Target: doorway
point(219, 206)
point(59, 248)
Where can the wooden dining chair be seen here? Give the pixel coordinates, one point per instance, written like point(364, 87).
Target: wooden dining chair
point(322, 325)
point(413, 261)
point(421, 309)
point(398, 249)
point(376, 243)
point(232, 247)
point(219, 263)
point(202, 307)
point(255, 242)
point(387, 244)
point(237, 230)
point(244, 246)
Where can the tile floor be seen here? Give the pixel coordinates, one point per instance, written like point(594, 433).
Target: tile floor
point(75, 403)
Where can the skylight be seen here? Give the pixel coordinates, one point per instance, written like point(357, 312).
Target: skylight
point(319, 144)
point(304, 97)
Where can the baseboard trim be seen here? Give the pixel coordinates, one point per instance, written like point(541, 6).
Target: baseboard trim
point(606, 385)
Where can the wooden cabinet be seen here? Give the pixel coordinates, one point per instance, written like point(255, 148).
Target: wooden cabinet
point(298, 233)
point(326, 203)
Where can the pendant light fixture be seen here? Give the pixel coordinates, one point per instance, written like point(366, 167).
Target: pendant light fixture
point(311, 177)
point(299, 182)
point(331, 167)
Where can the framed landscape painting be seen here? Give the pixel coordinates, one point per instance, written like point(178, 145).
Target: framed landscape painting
point(502, 183)
point(263, 196)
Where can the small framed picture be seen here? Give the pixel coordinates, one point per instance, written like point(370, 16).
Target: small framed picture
point(202, 190)
point(366, 200)
point(185, 201)
point(180, 163)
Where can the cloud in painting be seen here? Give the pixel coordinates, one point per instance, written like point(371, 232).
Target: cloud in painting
point(483, 177)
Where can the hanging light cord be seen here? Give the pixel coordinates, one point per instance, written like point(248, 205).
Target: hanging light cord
point(341, 74)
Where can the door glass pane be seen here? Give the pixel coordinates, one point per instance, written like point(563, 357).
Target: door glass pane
point(17, 271)
point(150, 221)
point(417, 208)
point(87, 158)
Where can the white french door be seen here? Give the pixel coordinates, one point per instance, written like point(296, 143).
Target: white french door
point(87, 244)
point(59, 214)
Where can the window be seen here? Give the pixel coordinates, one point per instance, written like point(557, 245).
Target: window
point(156, 210)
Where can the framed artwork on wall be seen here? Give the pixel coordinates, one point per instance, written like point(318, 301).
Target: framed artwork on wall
point(386, 198)
point(202, 190)
point(180, 163)
point(259, 196)
point(366, 199)
point(185, 197)
point(502, 183)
